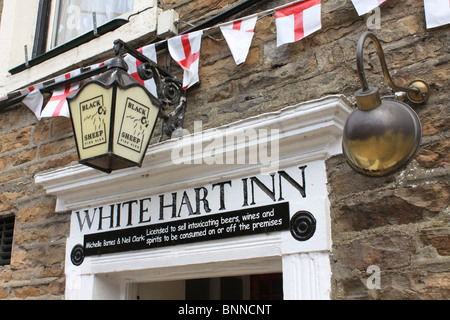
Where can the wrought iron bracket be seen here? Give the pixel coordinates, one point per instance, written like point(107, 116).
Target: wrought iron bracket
point(169, 89)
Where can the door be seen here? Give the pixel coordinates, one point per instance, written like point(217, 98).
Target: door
point(247, 287)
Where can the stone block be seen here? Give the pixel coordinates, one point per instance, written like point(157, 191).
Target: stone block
point(36, 212)
point(8, 200)
point(26, 292)
point(24, 156)
point(57, 147)
point(15, 140)
point(391, 207)
point(3, 293)
point(389, 250)
point(438, 238)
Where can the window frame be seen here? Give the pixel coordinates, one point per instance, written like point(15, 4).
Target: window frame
point(54, 17)
point(42, 28)
point(46, 29)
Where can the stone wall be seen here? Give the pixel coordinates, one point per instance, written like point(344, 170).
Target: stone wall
point(26, 148)
point(399, 223)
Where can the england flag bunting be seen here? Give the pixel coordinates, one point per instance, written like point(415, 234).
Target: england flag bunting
point(297, 21)
point(239, 35)
point(57, 106)
point(133, 64)
point(294, 22)
point(34, 101)
point(185, 50)
point(364, 6)
point(437, 13)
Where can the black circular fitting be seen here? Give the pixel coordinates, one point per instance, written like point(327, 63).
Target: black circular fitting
point(145, 72)
point(77, 255)
point(302, 225)
point(171, 91)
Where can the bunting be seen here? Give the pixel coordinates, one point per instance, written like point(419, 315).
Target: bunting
point(294, 22)
point(185, 50)
point(437, 13)
point(298, 21)
point(57, 106)
point(34, 101)
point(239, 35)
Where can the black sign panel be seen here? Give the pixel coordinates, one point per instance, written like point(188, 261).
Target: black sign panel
point(244, 222)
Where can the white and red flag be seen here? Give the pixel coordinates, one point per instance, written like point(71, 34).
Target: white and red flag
point(298, 21)
point(437, 13)
point(364, 6)
point(34, 101)
point(185, 50)
point(239, 35)
point(57, 106)
point(133, 64)
point(98, 65)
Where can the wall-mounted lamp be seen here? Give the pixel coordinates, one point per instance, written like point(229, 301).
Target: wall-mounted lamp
point(382, 135)
point(113, 116)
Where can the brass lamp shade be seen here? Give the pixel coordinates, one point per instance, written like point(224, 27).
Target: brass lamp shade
point(381, 140)
point(113, 118)
point(382, 135)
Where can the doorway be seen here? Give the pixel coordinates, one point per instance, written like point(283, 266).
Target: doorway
point(247, 287)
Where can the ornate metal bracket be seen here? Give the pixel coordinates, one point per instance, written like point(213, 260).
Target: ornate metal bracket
point(169, 89)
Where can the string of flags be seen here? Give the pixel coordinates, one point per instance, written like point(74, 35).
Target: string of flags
point(294, 22)
point(57, 105)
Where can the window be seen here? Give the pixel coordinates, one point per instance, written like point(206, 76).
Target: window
point(62, 25)
point(75, 17)
point(6, 237)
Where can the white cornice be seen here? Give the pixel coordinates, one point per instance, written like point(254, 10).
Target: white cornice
point(307, 131)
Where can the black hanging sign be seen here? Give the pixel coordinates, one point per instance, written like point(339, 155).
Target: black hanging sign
point(250, 221)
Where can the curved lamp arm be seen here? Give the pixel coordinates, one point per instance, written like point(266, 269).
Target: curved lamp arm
point(417, 92)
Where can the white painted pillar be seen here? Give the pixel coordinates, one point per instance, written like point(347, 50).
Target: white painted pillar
point(94, 287)
point(306, 276)
point(79, 287)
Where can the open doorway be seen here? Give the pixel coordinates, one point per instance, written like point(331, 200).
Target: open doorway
point(247, 287)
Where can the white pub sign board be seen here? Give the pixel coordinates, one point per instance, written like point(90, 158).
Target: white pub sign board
point(201, 205)
point(231, 208)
